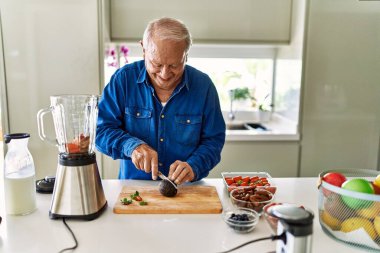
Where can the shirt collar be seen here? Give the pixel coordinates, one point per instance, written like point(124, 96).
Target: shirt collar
point(143, 78)
point(143, 75)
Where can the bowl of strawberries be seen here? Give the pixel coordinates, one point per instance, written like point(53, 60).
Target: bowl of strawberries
point(262, 180)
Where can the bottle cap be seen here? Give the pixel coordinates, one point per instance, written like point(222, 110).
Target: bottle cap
point(9, 137)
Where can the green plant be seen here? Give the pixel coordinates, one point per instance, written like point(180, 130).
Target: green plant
point(264, 105)
point(241, 93)
point(264, 108)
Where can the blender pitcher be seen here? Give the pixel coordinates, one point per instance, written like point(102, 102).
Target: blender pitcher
point(78, 191)
point(74, 119)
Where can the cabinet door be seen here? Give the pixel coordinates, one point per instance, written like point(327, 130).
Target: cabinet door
point(213, 20)
point(51, 47)
point(341, 116)
point(279, 159)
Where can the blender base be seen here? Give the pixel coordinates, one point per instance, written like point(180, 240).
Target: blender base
point(92, 216)
point(78, 191)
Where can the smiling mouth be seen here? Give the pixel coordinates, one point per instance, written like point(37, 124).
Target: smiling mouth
point(163, 79)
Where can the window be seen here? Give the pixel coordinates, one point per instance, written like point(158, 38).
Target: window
point(266, 81)
point(235, 73)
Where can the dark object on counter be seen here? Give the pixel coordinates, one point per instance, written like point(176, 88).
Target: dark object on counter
point(167, 188)
point(1, 219)
point(45, 185)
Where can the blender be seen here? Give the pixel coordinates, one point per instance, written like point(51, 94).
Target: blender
point(78, 191)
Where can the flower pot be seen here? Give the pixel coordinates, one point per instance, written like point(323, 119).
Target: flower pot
point(265, 116)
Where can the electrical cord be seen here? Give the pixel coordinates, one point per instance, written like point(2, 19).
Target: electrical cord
point(72, 233)
point(272, 237)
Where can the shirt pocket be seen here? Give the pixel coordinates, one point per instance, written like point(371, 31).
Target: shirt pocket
point(188, 128)
point(138, 121)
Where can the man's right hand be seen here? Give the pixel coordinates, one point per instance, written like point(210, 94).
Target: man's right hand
point(145, 158)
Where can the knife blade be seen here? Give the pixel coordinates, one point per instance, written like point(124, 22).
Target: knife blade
point(163, 177)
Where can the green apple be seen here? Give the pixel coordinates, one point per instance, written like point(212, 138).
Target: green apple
point(357, 185)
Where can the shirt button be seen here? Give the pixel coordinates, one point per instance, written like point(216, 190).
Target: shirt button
point(162, 139)
point(160, 164)
point(188, 121)
point(138, 114)
point(162, 116)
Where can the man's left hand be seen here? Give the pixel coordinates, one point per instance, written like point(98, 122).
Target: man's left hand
point(181, 172)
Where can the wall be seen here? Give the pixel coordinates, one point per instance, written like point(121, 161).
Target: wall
point(50, 47)
point(341, 101)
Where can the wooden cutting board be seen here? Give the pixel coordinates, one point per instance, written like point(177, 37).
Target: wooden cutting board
point(190, 199)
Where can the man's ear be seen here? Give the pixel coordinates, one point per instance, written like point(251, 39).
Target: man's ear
point(143, 49)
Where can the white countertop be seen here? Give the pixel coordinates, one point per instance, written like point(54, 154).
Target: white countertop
point(156, 232)
point(279, 129)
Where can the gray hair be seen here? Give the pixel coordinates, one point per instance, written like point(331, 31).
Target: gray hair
point(167, 28)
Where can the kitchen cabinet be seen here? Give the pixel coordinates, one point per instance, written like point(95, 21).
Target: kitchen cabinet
point(278, 158)
point(341, 116)
point(220, 21)
point(50, 47)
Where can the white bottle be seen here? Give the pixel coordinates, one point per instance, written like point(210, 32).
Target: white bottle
point(19, 176)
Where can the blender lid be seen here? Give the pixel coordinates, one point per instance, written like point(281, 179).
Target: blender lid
point(291, 213)
point(9, 137)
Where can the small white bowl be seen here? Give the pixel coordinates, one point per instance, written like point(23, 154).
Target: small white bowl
point(230, 217)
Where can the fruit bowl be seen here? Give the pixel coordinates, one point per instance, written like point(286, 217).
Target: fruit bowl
point(251, 197)
point(241, 220)
point(348, 215)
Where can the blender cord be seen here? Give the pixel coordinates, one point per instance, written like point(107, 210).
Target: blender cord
point(272, 237)
point(72, 233)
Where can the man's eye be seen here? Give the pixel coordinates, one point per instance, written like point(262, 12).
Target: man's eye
point(156, 65)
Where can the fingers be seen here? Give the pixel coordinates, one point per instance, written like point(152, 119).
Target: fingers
point(145, 158)
point(181, 172)
point(154, 166)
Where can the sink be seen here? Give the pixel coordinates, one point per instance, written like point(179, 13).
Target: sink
point(236, 126)
point(256, 126)
point(246, 126)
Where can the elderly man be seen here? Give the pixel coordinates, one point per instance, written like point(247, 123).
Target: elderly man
point(160, 114)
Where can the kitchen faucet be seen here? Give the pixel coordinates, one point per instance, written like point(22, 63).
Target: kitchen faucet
point(231, 114)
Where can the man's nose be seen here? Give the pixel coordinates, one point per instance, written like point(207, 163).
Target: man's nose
point(165, 72)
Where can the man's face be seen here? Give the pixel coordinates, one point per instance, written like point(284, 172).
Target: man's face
point(165, 62)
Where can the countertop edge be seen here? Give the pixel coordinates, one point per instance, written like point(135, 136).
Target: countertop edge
point(237, 135)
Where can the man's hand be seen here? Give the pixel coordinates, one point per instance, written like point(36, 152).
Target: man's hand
point(181, 172)
point(145, 158)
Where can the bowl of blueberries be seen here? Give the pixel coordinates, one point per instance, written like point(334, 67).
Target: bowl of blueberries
point(240, 219)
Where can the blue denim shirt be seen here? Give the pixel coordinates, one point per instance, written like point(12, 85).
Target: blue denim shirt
point(190, 127)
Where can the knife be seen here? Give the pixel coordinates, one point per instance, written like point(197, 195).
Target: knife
point(163, 177)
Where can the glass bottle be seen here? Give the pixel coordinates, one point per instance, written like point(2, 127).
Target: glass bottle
point(19, 175)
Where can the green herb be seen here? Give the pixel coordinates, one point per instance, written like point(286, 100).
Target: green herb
point(126, 201)
point(143, 203)
point(135, 195)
